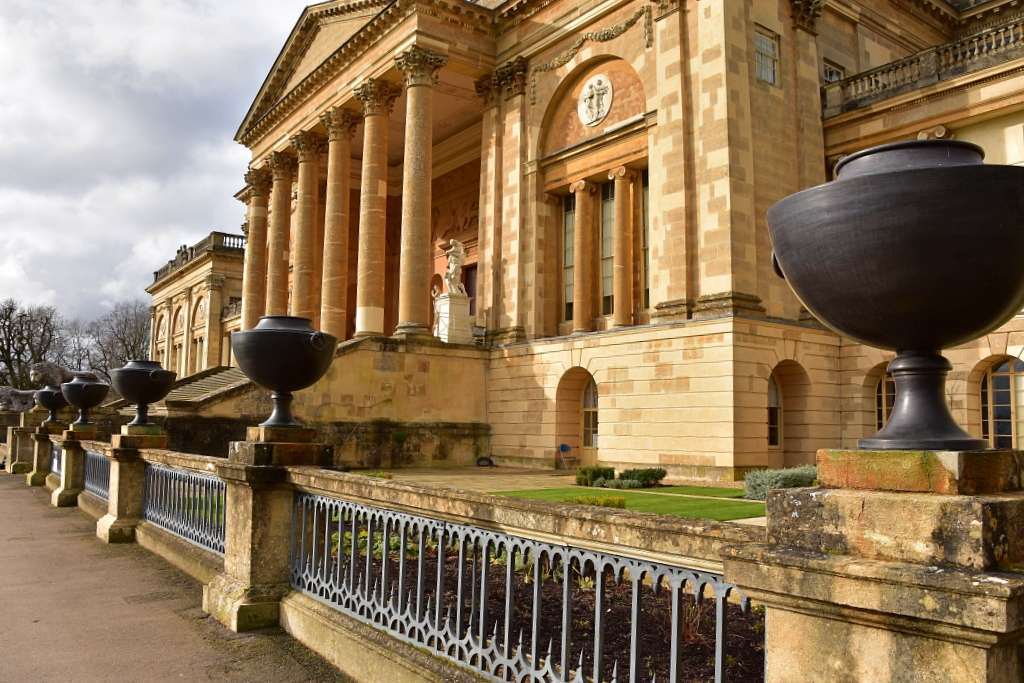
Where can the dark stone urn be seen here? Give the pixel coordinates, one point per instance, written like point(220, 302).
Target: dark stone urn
point(283, 354)
point(915, 247)
point(51, 398)
point(84, 394)
point(142, 382)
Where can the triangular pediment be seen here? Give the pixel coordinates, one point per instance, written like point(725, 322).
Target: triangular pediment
point(319, 32)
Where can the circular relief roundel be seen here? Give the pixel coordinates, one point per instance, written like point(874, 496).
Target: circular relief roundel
point(595, 100)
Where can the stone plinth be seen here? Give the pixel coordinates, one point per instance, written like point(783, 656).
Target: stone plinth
point(8, 418)
point(247, 595)
point(453, 320)
point(890, 572)
point(19, 450)
point(41, 452)
point(124, 502)
point(72, 476)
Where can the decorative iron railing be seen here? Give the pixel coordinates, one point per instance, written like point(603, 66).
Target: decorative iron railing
point(97, 474)
point(55, 461)
point(189, 504)
point(514, 609)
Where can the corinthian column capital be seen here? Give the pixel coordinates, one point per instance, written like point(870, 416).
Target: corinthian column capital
point(419, 66)
point(806, 13)
point(260, 181)
point(340, 122)
point(377, 96)
point(308, 145)
point(489, 89)
point(281, 164)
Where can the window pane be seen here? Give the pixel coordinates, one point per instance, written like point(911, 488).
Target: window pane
point(568, 252)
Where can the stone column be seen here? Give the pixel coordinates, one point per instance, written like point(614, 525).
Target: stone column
point(419, 69)
point(258, 512)
point(308, 147)
point(210, 351)
point(254, 274)
point(622, 269)
point(340, 124)
point(283, 167)
point(378, 97)
point(318, 248)
point(583, 256)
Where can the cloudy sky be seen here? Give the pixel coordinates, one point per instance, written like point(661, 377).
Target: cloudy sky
point(116, 126)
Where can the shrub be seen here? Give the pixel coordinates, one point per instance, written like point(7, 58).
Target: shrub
point(585, 476)
point(647, 478)
point(600, 483)
point(614, 483)
point(599, 501)
point(632, 484)
point(757, 483)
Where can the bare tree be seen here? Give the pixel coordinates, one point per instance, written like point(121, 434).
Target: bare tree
point(27, 335)
point(73, 345)
point(119, 336)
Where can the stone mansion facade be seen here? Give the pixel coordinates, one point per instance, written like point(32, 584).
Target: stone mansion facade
point(608, 165)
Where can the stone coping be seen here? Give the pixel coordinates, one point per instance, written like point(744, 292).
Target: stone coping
point(204, 464)
point(679, 541)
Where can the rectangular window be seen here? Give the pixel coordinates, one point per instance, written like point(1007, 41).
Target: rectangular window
point(833, 72)
point(568, 253)
point(766, 55)
point(607, 247)
point(645, 231)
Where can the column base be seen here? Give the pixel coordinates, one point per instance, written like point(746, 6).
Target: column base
point(35, 478)
point(412, 331)
point(866, 621)
point(19, 468)
point(64, 498)
point(110, 529)
point(243, 607)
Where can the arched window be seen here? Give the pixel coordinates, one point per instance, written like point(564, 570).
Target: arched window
point(885, 397)
point(589, 420)
point(774, 413)
point(1002, 403)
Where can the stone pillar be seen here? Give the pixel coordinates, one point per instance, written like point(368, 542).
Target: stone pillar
point(419, 69)
point(258, 513)
point(340, 124)
point(210, 350)
point(41, 452)
point(488, 293)
point(283, 167)
point(254, 274)
point(901, 566)
point(318, 249)
point(622, 269)
point(583, 256)
point(72, 476)
point(378, 97)
point(810, 137)
point(127, 482)
point(308, 147)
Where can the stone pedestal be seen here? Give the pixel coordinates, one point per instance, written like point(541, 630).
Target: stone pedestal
point(8, 418)
point(19, 450)
point(124, 502)
point(901, 566)
point(247, 595)
point(41, 451)
point(454, 325)
point(72, 476)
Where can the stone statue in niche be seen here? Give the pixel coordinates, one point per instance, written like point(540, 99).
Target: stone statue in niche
point(453, 278)
point(595, 100)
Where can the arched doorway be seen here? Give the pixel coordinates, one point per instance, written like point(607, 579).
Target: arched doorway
point(577, 415)
point(789, 388)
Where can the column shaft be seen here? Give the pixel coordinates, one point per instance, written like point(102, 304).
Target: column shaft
point(283, 167)
point(308, 147)
point(340, 124)
point(377, 98)
point(622, 268)
point(254, 273)
point(583, 257)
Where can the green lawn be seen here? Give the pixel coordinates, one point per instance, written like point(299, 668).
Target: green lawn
point(701, 491)
point(681, 506)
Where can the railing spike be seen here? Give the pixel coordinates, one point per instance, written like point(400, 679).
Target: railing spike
point(615, 672)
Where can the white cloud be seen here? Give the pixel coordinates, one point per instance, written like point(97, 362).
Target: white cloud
point(116, 130)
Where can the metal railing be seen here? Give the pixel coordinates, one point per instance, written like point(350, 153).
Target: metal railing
point(511, 608)
point(55, 459)
point(188, 504)
point(965, 55)
point(97, 474)
point(215, 241)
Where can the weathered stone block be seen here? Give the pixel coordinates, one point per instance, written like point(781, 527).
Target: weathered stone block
point(280, 434)
point(277, 454)
point(952, 472)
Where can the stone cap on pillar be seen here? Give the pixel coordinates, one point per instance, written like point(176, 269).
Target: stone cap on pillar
point(136, 441)
point(949, 472)
point(277, 454)
point(81, 433)
point(280, 434)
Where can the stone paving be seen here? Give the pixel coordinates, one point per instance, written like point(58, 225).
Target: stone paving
point(73, 609)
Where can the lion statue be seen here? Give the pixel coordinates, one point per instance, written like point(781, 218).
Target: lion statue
point(16, 399)
point(52, 375)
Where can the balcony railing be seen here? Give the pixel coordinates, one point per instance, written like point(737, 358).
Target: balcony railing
point(232, 310)
point(215, 241)
point(944, 62)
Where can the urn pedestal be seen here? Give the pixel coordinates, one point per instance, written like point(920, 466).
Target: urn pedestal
point(454, 324)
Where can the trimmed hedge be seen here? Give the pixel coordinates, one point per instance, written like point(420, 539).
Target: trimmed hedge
point(757, 483)
point(599, 501)
point(585, 476)
point(647, 477)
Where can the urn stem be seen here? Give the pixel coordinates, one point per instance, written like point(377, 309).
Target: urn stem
point(282, 414)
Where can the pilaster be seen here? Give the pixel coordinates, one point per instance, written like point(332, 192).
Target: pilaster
point(489, 240)
point(515, 243)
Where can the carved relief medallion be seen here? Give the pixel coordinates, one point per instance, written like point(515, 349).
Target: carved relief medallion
point(595, 100)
